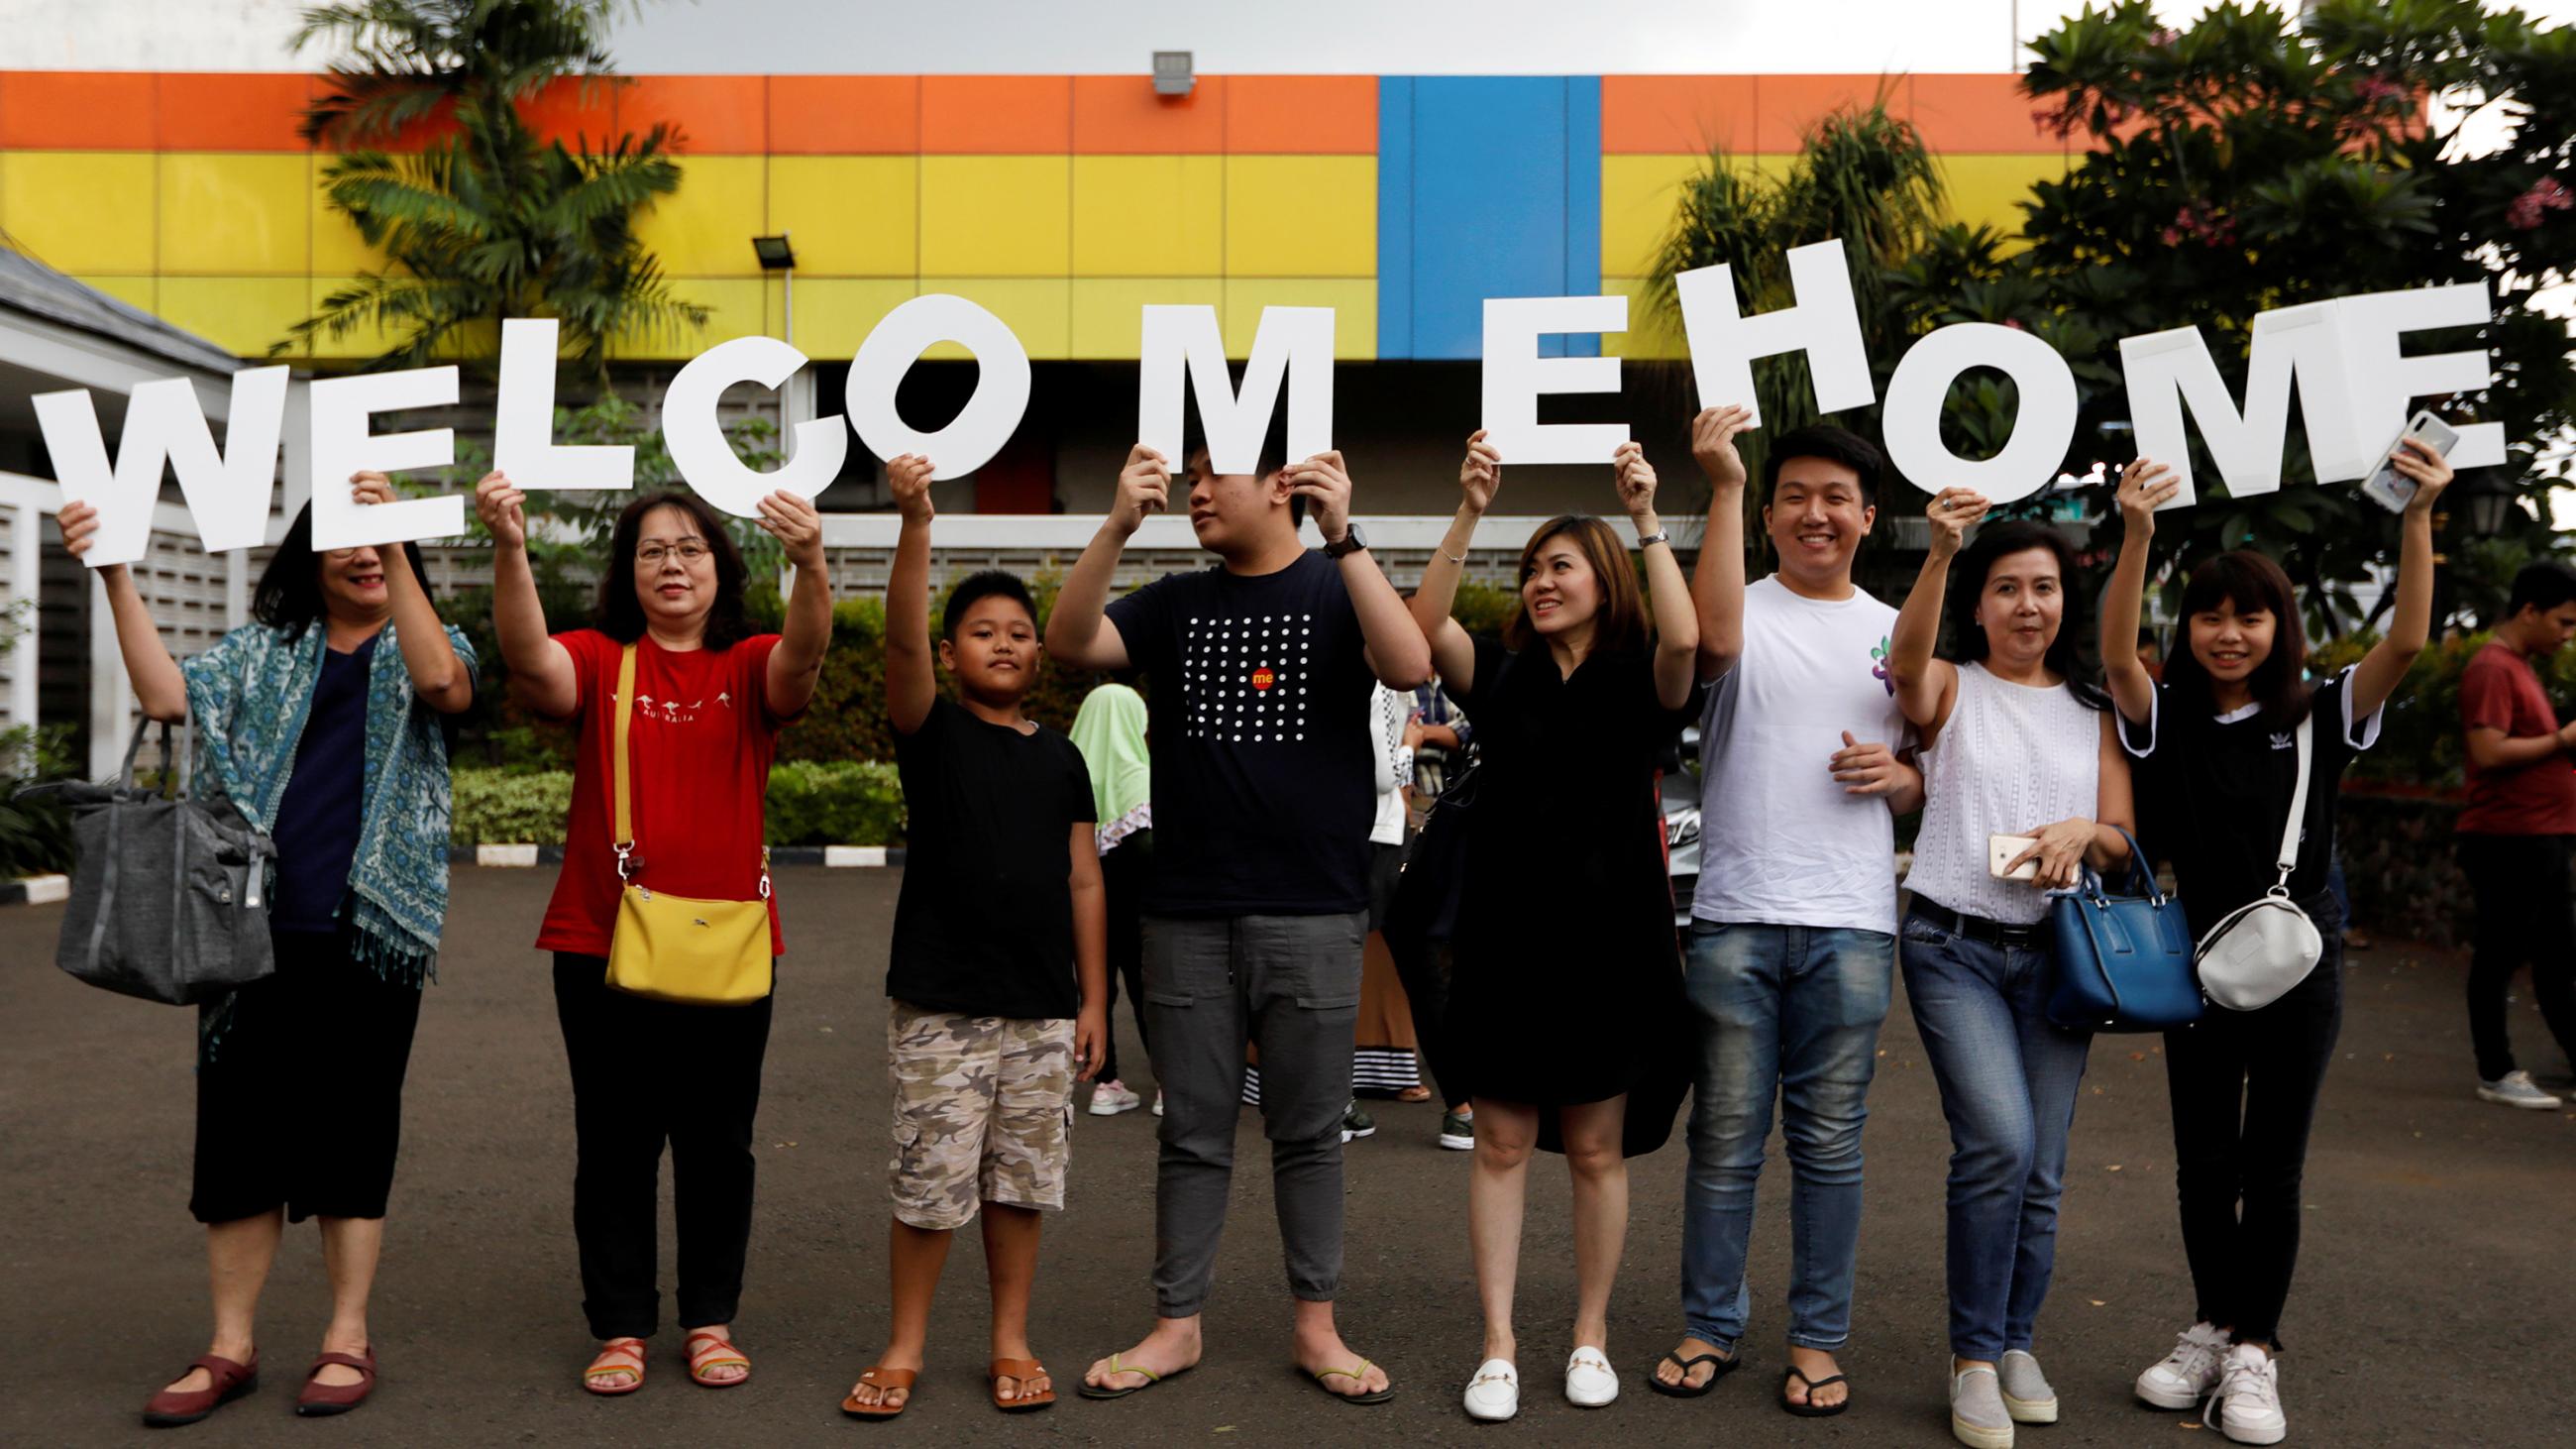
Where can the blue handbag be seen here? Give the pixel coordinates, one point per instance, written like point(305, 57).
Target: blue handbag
point(2120, 960)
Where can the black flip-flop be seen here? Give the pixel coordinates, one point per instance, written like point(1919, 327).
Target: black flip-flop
point(1812, 1411)
point(1091, 1390)
point(1726, 1364)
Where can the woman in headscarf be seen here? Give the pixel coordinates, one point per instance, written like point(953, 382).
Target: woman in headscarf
point(1110, 731)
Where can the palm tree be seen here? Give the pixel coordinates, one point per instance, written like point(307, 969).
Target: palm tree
point(1861, 175)
point(487, 221)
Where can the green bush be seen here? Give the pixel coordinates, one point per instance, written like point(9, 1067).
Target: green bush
point(2419, 737)
point(503, 807)
point(850, 802)
point(35, 835)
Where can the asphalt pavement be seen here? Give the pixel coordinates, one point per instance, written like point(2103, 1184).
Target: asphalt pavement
point(2431, 1303)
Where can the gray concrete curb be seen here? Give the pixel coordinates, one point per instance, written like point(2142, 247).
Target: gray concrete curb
point(837, 856)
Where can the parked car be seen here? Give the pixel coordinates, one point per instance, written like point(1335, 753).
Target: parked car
point(1680, 790)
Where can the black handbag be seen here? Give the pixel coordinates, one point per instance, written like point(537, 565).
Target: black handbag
point(1435, 867)
point(169, 893)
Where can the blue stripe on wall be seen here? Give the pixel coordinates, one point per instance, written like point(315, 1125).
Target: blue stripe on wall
point(1488, 186)
point(1395, 216)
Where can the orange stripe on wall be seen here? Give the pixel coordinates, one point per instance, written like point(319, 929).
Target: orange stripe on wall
point(76, 110)
point(1787, 105)
point(844, 115)
point(716, 115)
point(1973, 114)
point(1670, 115)
point(221, 112)
point(996, 115)
point(1121, 115)
point(1301, 115)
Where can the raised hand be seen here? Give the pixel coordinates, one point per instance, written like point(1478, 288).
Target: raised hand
point(1951, 513)
point(908, 478)
point(796, 524)
point(1481, 474)
point(2145, 486)
point(1144, 487)
point(500, 504)
point(1713, 444)
point(1326, 487)
point(2431, 471)
point(1635, 478)
point(79, 523)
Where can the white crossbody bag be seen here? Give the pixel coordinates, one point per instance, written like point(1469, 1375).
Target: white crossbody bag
point(2261, 949)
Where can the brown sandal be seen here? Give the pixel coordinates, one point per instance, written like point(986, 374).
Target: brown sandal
point(1023, 1369)
point(709, 1349)
point(227, 1381)
point(629, 1353)
point(888, 1380)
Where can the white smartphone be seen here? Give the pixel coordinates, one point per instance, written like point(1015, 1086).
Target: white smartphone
point(2393, 490)
point(2001, 851)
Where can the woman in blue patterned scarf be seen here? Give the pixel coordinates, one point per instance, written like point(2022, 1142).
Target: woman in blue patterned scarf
point(320, 721)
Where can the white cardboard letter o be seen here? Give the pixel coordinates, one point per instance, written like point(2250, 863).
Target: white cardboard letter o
point(2042, 428)
point(978, 431)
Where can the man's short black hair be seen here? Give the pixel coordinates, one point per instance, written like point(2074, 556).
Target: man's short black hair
point(1834, 445)
point(990, 583)
point(2544, 586)
point(1272, 457)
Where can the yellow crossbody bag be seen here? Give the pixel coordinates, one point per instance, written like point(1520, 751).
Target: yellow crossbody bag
point(673, 948)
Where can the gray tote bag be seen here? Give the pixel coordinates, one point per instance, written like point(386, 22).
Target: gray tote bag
point(169, 897)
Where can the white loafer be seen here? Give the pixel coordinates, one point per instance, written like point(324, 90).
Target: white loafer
point(1494, 1394)
point(1589, 1380)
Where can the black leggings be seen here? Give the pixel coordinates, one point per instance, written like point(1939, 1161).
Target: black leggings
point(299, 1095)
point(2244, 1087)
point(2525, 914)
point(643, 1073)
point(1122, 884)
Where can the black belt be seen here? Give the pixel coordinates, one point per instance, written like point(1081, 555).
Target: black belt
point(1978, 928)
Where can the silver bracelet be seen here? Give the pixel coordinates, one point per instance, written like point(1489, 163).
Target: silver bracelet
point(1459, 559)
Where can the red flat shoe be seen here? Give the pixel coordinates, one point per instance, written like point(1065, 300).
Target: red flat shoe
point(171, 1408)
point(320, 1399)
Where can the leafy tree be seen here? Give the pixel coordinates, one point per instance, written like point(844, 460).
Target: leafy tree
point(2248, 162)
point(486, 221)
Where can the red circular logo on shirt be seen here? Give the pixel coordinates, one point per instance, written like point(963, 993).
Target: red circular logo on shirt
point(1262, 678)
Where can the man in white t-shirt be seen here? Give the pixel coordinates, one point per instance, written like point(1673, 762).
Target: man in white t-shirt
point(1793, 929)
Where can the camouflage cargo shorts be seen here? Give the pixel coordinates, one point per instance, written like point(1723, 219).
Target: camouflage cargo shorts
point(983, 1112)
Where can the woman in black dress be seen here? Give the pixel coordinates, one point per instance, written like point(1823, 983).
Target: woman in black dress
point(1566, 969)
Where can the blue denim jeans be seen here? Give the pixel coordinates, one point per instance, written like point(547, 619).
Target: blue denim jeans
point(1792, 1011)
point(2008, 1084)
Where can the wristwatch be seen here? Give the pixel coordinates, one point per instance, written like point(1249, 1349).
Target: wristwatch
point(1349, 543)
point(1649, 540)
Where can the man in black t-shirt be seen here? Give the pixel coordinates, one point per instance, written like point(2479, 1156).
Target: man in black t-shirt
point(999, 967)
point(1263, 800)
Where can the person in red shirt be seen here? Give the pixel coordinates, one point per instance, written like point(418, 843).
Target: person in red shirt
point(710, 699)
point(2518, 829)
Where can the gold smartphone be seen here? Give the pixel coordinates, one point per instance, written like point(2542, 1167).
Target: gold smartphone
point(2001, 850)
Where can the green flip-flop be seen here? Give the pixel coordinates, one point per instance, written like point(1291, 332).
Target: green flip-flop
point(1356, 1375)
point(1091, 1390)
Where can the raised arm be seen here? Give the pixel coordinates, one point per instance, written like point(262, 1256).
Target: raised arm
point(440, 678)
point(1667, 593)
point(158, 685)
point(1453, 655)
point(1078, 632)
point(796, 665)
point(1717, 586)
point(541, 670)
point(2144, 485)
point(911, 684)
point(2410, 623)
point(1397, 652)
point(1926, 686)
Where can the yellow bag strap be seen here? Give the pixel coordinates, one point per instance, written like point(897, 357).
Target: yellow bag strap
point(625, 838)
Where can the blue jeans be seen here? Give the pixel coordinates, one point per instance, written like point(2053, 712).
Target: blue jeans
point(2008, 1083)
point(1791, 1010)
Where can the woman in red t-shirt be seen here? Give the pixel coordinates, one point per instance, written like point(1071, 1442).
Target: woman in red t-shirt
point(710, 698)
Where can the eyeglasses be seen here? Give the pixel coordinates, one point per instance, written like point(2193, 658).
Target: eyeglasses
point(689, 552)
point(340, 555)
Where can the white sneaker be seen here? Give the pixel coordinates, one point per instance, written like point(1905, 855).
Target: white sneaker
point(1158, 1101)
point(2247, 1406)
point(1590, 1383)
point(1494, 1394)
point(2188, 1373)
point(2027, 1396)
point(2517, 1089)
point(1111, 1098)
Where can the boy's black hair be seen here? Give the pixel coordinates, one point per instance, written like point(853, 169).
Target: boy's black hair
point(2543, 586)
point(288, 597)
point(1272, 457)
point(991, 583)
point(1834, 445)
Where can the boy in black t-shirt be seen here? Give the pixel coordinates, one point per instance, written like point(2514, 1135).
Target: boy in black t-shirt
point(987, 1025)
point(1253, 918)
